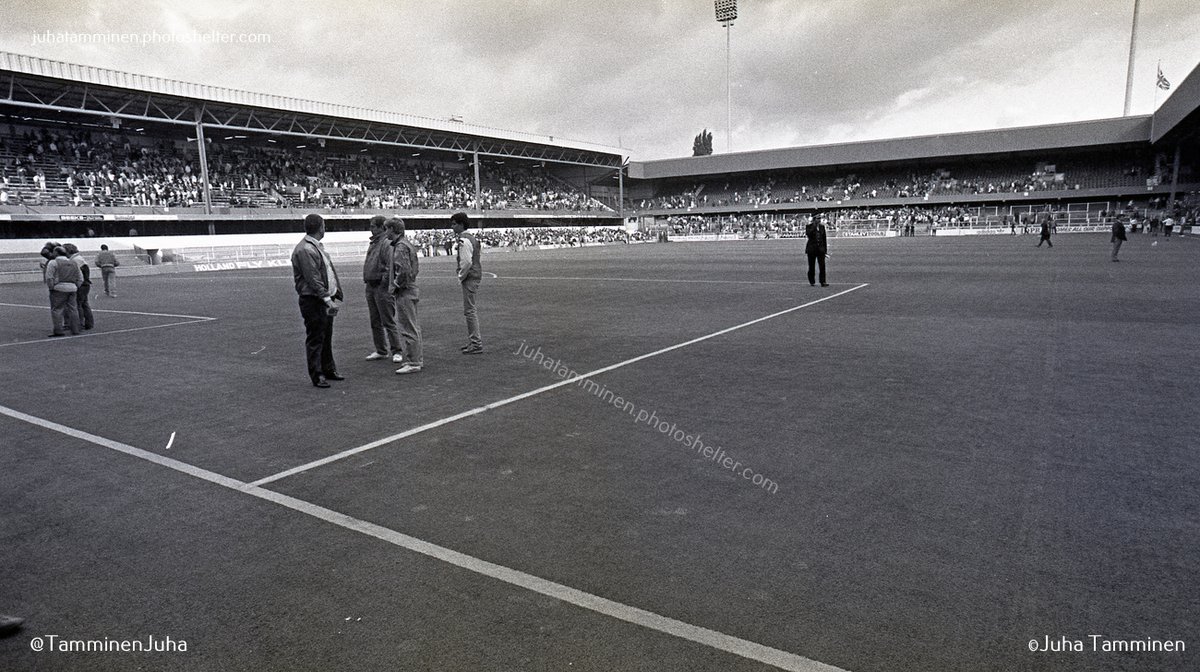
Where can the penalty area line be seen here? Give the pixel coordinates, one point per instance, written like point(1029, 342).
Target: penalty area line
point(553, 386)
point(195, 318)
point(588, 601)
point(91, 334)
point(188, 319)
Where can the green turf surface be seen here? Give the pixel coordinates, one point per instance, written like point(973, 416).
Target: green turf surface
point(989, 443)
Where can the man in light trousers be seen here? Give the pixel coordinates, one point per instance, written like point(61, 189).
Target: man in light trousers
point(402, 284)
point(470, 271)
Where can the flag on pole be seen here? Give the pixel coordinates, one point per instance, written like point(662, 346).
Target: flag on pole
point(1162, 81)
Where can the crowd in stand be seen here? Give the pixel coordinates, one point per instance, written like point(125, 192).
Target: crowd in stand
point(797, 187)
point(115, 168)
point(93, 169)
point(433, 243)
point(119, 169)
point(925, 219)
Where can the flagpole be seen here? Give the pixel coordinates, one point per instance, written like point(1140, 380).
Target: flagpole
point(1158, 73)
point(1154, 109)
point(1129, 72)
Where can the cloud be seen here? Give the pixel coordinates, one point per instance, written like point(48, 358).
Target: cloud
point(651, 73)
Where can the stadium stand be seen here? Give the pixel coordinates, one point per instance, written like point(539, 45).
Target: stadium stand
point(43, 167)
point(92, 170)
point(965, 179)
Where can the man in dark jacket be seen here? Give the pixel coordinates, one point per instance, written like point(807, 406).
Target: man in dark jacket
point(81, 297)
point(1118, 236)
point(381, 304)
point(320, 297)
point(816, 249)
point(1045, 232)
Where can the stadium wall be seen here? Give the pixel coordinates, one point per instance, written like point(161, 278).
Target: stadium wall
point(59, 224)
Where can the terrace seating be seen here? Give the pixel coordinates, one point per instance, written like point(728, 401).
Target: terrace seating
point(115, 169)
point(1011, 176)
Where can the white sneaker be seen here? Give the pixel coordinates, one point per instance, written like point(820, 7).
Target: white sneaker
point(374, 356)
point(397, 358)
point(408, 368)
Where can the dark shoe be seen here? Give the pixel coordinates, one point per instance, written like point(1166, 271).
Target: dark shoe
point(824, 284)
point(321, 382)
point(334, 376)
point(474, 350)
point(54, 335)
point(9, 624)
point(466, 347)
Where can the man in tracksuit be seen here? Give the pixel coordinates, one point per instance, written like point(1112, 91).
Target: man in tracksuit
point(470, 271)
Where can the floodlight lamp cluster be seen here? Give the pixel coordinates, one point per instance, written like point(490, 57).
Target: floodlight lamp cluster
point(726, 11)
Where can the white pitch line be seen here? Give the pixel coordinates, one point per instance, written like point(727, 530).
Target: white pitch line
point(647, 619)
point(190, 319)
point(716, 282)
point(504, 402)
point(120, 312)
point(218, 275)
point(107, 333)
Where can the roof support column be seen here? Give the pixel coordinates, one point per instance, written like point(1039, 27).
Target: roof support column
point(203, 154)
point(621, 192)
point(478, 202)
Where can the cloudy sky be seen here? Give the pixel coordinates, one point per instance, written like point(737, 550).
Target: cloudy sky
point(648, 75)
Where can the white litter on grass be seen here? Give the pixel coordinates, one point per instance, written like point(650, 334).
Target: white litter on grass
point(171, 440)
point(259, 350)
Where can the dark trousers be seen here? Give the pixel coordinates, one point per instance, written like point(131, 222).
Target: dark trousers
point(64, 312)
point(318, 336)
point(85, 306)
point(1046, 240)
point(381, 311)
point(813, 261)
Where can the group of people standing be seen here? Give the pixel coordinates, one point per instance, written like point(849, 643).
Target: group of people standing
point(390, 277)
point(69, 278)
